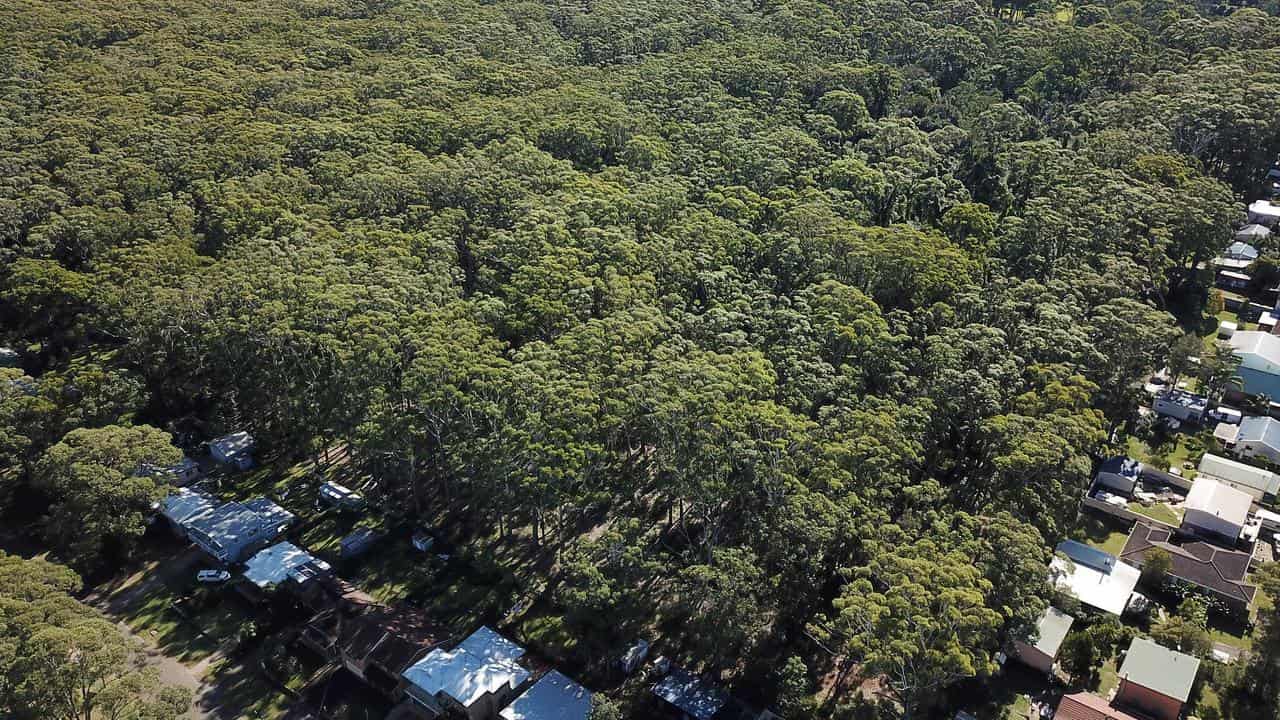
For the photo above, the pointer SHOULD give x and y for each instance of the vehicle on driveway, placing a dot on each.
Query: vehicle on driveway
(213, 576)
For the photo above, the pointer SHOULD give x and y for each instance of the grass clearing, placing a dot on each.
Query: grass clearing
(1158, 511)
(1108, 535)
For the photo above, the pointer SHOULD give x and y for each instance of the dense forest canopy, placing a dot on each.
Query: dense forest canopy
(813, 312)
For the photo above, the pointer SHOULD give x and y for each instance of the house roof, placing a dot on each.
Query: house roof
(1222, 501)
(1158, 668)
(1189, 400)
(1087, 706)
(1213, 568)
(1252, 231)
(1239, 473)
(554, 697)
(233, 444)
(1120, 465)
(273, 565)
(1093, 577)
(184, 505)
(1263, 430)
(482, 664)
(1054, 625)
(1255, 342)
(234, 523)
(690, 695)
(1242, 250)
(1264, 208)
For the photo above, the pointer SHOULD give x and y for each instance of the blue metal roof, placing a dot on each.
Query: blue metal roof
(690, 695)
(1092, 557)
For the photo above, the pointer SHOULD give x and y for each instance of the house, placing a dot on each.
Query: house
(182, 473)
(1262, 212)
(554, 697)
(1217, 571)
(1215, 511)
(373, 642)
(1156, 680)
(1043, 652)
(1250, 235)
(1120, 474)
(182, 506)
(1087, 706)
(1259, 354)
(283, 562)
(229, 533)
(1093, 577)
(1226, 433)
(1226, 329)
(1261, 485)
(340, 496)
(1259, 437)
(1238, 256)
(358, 542)
(234, 450)
(634, 655)
(1180, 404)
(690, 697)
(474, 679)
(1232, 280)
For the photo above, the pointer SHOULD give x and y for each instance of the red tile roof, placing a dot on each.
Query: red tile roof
(1194, 561)
(1087, 706)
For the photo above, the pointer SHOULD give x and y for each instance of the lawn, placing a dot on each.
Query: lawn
(1107, 535)
(1172, 453)
(1158, 511)
(1108, 678)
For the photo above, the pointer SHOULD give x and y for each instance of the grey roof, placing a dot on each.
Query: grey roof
(1054, 625)
(1186, 399)
(1252, 231)
(690, 695)
(1239, 473)
(1260, 429)
(274, 565)
(1157, 668)
(482, 664)
(1090, 557)
(184, 505)
(1122, 466)
(554, 697)
(1243, 250)
(231, 445)
(229, 529)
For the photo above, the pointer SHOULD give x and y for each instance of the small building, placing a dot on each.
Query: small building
(1120, 474)
(9, 357)
(233, 531)
(234, 450)
(1216, 511)
(1093, 577)
(1225, 414)
(1239, 255)
(692, 698)
(1262, 212)
(283, 562)
(1183, 405)
(1259, 354)
(181, 474)
(1087, 706)
(1259, 437)
(340, 496)
(1261, 485)
(1226, 329)
(554, 697)
(474, 679)
(634, 655)
(1156, 680)
(1252, 235)
(1232, 280)
(359, 542)
(1216, 570)
(1226, 433)
(1043, 652)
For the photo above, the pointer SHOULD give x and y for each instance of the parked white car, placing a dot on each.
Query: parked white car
(213, 576)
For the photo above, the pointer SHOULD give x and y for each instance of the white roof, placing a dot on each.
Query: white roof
(1108, 591)
(1254, 342)
(1264, 208)
(185, 504)
(1239, 473)
(554, 697)
(232, 444)
(1210, 496)
(272, 566)
(484, 663)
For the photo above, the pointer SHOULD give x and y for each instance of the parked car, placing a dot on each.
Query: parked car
(423, 540)
(213, 576)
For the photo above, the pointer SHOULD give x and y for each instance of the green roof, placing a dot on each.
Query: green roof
(1157, 668)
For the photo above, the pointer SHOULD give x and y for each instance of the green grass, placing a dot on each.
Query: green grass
(1108, 677)
(1108, 536)
(1018, 709)
(1158, 511)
